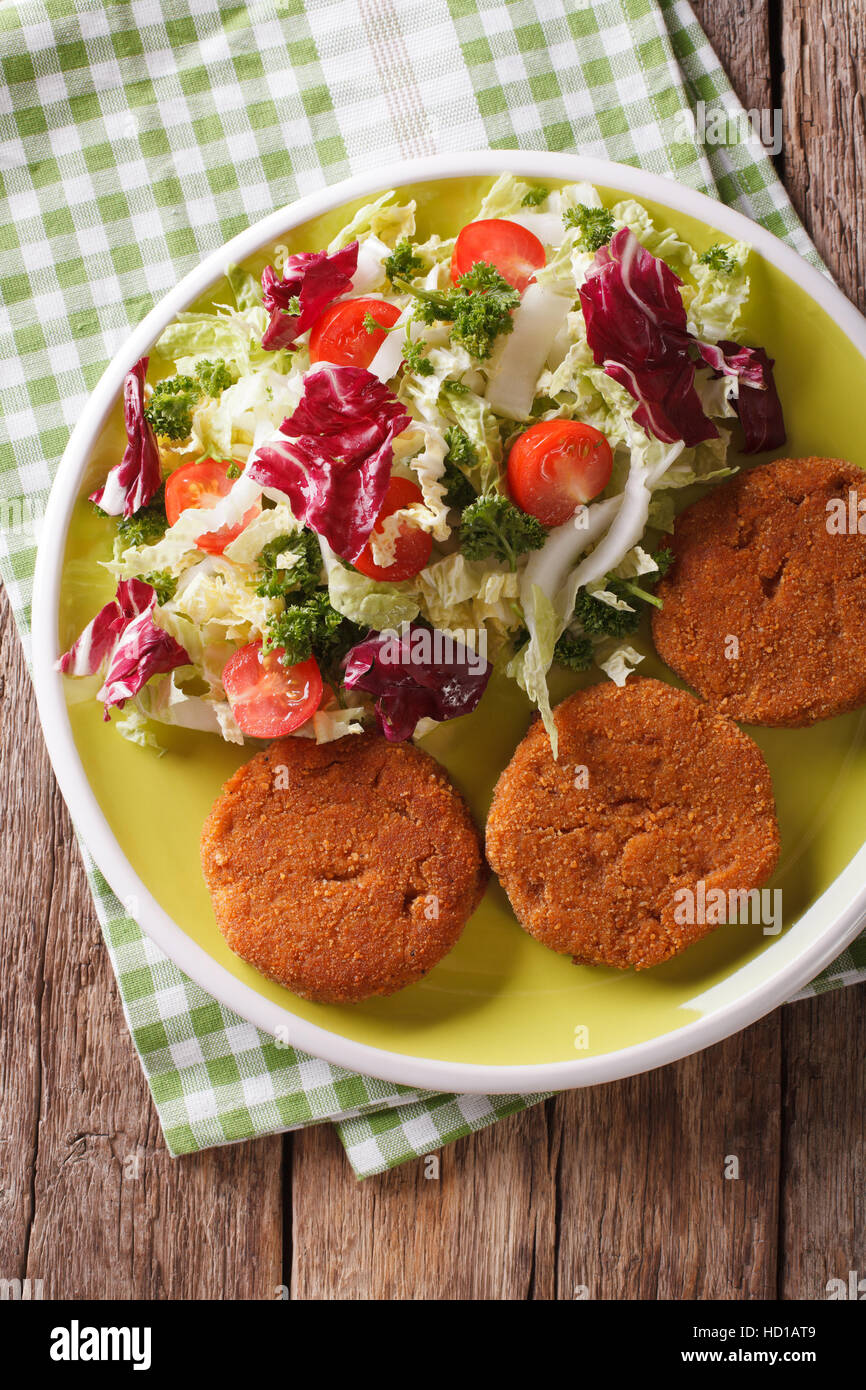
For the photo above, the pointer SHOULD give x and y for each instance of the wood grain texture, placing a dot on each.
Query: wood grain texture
(824, 151)
(823, 1219)
(26, 871)
(648, 1201)
(91, 1202)
(485, 1228)
(613, 1192)
(740, 33)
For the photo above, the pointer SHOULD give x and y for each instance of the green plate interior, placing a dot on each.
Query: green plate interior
(500, 997)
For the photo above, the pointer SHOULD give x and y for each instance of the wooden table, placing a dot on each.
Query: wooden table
(620, 1189)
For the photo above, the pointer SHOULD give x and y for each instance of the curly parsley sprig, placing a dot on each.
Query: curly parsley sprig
(574, 651)
(491, 526)
(302, 575)
(600, 619)
(313, 628)
(479, 307)
(174, 399)
(147, 526)
(595, 225)
(414, 353)
(718, 258)
(403, 264)
(460, 460)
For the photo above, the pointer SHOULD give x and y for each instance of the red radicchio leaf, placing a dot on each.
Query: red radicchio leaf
(124, 635)
(314, 278)
(90, 650)
(415, 674)
(335, 462)
(134, 480)
(632, 306)
(669, 407)
(757, 403)
(636, 327)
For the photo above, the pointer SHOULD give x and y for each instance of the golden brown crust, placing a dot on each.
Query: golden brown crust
(674, 794)
(342, 870)
(756, 566)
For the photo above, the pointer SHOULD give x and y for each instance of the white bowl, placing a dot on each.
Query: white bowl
(812, 943)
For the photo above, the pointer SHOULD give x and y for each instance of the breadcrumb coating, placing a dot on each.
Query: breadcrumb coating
(653, 792)
(342, 870)
(765, 606)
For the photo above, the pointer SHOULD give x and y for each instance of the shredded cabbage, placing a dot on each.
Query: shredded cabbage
(368, 602)
(532, 663)
(543, 369)
(270, 523)
(383, 218)
(332, 721)
(468, 595)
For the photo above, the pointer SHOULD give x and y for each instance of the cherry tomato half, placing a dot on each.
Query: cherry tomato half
(267, 698)
(339, 336)
(513, 250)
(555, 466)
(412, 547)
(203, 485)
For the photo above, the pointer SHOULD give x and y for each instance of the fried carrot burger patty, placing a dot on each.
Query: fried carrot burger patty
(342, 870)
(653, 793)
(765, 605)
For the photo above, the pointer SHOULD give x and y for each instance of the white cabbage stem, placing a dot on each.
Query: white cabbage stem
(520, 356)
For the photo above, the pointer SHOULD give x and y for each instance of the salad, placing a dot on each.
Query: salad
(388, 466)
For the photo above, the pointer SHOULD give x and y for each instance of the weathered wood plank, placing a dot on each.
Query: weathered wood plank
(740, 33)
(824, 51)
(97, 1207)
(485, 1228)
(619, 1191)
(823, 1233)
(26, 871)
(645, 1207)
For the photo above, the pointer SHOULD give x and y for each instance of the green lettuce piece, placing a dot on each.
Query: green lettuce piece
(470, 594)
(706, 463)
(331, 721)
(434, 250)
(267, 526)
(206, 646)
(662, 511)
(716, 307)
(135, 728)
(368, 602)
(385, 219)
(171, 555)
(505, 197)
(478, 422)
(164, 700)
(660, 241)
(250, 410)
(246, 289)
(208, 335)
(531, 664)
(235, 335)
(618, 660)
(215, 591)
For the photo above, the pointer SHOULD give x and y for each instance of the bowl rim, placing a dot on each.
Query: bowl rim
(723, 1019)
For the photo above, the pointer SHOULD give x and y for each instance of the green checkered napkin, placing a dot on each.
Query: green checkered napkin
(136, 137)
